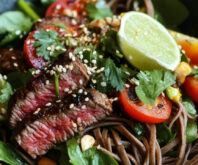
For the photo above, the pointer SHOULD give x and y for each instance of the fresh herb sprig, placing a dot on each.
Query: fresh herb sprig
(48, 44)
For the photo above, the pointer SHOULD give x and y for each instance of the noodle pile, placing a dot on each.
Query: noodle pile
(116, 136)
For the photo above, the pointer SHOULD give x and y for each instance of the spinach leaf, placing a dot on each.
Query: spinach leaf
(19, 79)
(191, 131)
(98, 11)
(91, 156)
(164, 134)
(9, 156)
(152, 84)
(13, 25)
(171, 13)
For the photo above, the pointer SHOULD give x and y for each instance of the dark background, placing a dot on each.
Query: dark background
(190, 26)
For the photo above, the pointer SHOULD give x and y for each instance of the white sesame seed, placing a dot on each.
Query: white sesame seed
(48, 104)
(80, 81)
(74, 95)
(127, 85)
(47, 82)
(71, 105)
(15, 64)
(28, 42)
(58, 101)
(85, 61)
(103, 84)
(93, 81)
(87, 99)
(73, 58)
(74, 125)
(83, 106)
(64, 70)
(79, 120)
(70, 55)
(66, 90)
(85, 93)
(80, 91)
(58, 6)
(93, 61)
(100, 56)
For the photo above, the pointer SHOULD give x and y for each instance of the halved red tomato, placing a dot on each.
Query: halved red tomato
(30, 51)
(133, 107)
(67, 7)
(191, 88)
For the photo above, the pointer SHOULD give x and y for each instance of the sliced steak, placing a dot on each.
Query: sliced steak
(59, 122)
(12, 60)
(67, 21)
(41, 90)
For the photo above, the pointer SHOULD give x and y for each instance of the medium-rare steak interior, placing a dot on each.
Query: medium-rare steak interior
(41, 90)
(42, 129)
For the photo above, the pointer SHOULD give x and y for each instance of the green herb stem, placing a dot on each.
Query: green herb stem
(28, 10)
(56, 77)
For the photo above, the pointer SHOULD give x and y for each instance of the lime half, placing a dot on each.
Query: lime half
(146, 43)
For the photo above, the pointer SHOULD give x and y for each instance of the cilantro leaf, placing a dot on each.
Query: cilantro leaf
(110, 45)
(98, 11)
(5, 91)
(190, 107)
(152, 84)
(48, 39)
(114, 75)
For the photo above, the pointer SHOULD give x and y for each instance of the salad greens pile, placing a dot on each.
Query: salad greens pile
(112, 74)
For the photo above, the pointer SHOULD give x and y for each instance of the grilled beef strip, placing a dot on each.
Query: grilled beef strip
(67, 21)
(48, 126)
(41, 90)
(12, 61)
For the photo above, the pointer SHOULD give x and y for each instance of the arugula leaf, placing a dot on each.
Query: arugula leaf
(164, 134)
(188, 104)
(98, 11)
(152, 84)
(191, 131)
(9, 156)
(19, 79)
(13, 25)
(91, 156)
(46, 39)
(60, 25)
(176, 14)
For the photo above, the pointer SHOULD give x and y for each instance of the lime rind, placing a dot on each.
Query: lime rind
(147, 44)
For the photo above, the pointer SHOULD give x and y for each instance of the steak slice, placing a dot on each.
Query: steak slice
(12, 60)
(59, 122)
(41, 90)
(67, 21)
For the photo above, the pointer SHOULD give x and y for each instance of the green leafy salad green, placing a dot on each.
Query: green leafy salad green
(111, 72)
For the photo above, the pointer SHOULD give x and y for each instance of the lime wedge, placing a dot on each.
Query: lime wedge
(146, 43)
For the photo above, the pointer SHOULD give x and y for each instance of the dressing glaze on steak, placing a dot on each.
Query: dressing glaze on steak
(55, 124)
(12, 61)
(41, 90)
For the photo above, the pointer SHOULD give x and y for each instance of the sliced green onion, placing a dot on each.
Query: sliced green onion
(56, 77)
(28, 10)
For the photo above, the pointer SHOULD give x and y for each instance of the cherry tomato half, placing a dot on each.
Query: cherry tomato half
(72, 8)
(30, 51)
(191, 87)
(191, 50)
(143, 112)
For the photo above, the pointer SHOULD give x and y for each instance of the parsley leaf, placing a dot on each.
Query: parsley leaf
(98, 11)
(48, 39)
(5, 91)
(152, 84)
